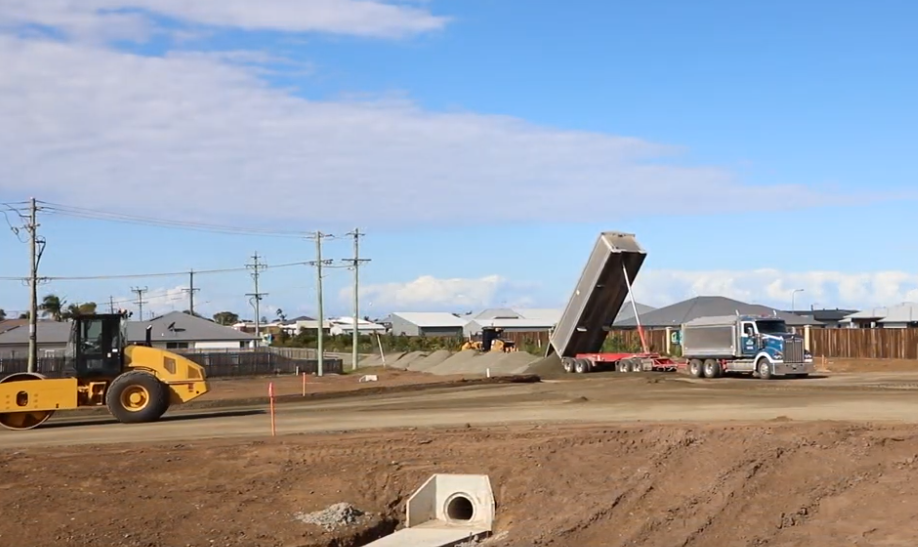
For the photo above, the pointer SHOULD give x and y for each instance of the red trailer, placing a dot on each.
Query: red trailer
(620, 362)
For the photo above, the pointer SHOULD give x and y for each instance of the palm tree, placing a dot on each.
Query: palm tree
(52, 306)
(86, 308)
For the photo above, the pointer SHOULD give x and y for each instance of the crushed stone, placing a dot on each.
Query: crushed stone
(332, 517)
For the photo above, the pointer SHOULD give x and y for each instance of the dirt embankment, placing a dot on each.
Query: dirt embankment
(773, 483)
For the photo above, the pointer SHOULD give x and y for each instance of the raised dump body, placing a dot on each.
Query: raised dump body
(598, 296)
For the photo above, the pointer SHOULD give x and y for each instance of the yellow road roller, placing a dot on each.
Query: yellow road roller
(137, 382)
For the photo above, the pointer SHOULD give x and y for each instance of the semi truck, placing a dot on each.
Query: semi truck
(599, 295)
(757, 345)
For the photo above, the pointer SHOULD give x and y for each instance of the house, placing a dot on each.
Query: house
(426, 324)
(178, 330)
(828, 318)
(51, 338)
(345, 325)
(904, 315)
(676, 314)
(518, 320)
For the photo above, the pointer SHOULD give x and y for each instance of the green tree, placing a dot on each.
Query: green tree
(2, 314)
(281, 315)
(72, 310)
(226, 318)
(52, 306)
(195, 314)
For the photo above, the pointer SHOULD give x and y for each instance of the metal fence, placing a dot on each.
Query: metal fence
(217, 364)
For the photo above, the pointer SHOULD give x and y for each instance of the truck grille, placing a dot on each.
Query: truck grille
(793, 351)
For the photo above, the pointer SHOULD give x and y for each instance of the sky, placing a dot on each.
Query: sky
(755, 149)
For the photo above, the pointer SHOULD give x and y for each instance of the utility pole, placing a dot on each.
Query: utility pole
(191, 290)
(33, 286)
(256, 268)
(140, 302)
(318, 263)
(355, 263)
(111, 304)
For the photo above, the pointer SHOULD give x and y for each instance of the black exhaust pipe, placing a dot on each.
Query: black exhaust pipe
(148, 340)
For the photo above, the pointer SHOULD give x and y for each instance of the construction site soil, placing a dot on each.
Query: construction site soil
(651, 459)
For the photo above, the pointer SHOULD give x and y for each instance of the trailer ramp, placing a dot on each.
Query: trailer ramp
(448, 510)
(599, 295)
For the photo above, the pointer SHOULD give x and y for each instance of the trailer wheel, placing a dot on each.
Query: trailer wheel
(568, 364)
(623, 366)
(763, 367)
(637, 365)
(712, 369)
(581, 366)
(695, 368)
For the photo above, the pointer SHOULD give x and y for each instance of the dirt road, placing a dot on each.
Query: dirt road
(599, 398)
(737, 462)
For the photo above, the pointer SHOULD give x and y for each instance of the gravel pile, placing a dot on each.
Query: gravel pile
(434, 359)
(474, 363)
(407, 360)
(332, 517)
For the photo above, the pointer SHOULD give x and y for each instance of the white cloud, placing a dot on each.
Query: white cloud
(94, 127)
(768, 286)
(654, 287)
(127, 19)
(428, 293)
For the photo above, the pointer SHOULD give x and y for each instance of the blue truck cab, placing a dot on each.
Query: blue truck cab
(760, 345)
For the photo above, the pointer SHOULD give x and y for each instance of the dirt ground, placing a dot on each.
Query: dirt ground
(868, 365)
(651, 460)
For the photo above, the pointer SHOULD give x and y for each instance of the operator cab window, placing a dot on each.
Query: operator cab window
(748, 330)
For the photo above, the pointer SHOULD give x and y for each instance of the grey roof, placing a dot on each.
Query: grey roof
(186, 328)
(498, 313)
(48, 332)
(707, 306)
(903, 313)
(431, 319)
(628, 311)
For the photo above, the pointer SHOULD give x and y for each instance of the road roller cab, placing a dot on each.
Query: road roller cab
(137, 382)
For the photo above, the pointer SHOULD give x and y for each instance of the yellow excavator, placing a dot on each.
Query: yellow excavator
(137, 382)
(490, 341)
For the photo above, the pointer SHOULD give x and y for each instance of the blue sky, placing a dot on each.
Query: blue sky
(753, 149)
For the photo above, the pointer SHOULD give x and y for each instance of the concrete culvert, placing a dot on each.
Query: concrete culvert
(460, 508)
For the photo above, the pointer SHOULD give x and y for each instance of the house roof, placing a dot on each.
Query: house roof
(498, 313)
(628, 311)
(185, 328)
(8, 324)
(824, 315)
(707, 306)
(431, 319)
(48, 332)
(541, 314)
(907, 312)
(520, 323)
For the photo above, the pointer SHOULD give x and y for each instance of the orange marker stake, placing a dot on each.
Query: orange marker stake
(271, 403)
(304, 384)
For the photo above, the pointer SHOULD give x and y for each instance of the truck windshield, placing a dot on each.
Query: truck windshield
(771, 327)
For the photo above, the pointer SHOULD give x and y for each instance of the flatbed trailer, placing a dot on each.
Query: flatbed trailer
(598, 297)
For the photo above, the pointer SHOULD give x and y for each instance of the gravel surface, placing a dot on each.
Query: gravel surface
(333, 517)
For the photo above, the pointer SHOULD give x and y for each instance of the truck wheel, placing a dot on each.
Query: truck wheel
(581, 366)
(695, 368)
(712, 369)
(637, 365)
(568, 364)
(137, 397)
(623, 366)
(763, 367)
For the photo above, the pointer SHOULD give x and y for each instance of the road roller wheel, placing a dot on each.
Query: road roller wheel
(137, 397)
(27, 419)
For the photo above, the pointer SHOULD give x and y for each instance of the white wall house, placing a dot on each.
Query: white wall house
(345, 325)
(901, 316)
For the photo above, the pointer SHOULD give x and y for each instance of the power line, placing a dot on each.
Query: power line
(256, 268)
(145, 275)
(140, 302)
(191, 290)
(318, 263)
(93, 214)
(355, 263)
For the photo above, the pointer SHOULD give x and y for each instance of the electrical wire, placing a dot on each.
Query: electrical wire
(144, 275)
(93, 214)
